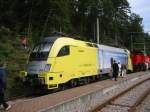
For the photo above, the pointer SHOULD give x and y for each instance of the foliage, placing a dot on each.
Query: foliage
(15, 57)
(37, 19)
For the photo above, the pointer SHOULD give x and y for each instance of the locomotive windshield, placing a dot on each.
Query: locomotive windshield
(40, 52)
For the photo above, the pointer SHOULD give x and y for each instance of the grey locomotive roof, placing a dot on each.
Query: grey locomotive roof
(50, 39)
(54, 36)
(112, 49)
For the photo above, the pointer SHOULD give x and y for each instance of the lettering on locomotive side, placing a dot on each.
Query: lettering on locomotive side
(80, 50)
(86, 65)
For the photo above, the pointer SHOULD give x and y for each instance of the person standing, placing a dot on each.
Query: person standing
(120, 71)
(124, 70)
(3, 86)
(111, 71)
(115, 70)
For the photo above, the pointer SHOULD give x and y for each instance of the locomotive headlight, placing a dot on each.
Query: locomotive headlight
(47, 67)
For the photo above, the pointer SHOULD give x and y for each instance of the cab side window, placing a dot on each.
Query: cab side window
(64, 51)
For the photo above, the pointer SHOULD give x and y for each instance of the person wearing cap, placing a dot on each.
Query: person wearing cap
(3, 86)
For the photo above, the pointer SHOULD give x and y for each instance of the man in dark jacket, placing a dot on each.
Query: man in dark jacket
(115, 70)
(3, 86)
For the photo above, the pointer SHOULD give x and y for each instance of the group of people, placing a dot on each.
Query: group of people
(117, 70)
(3, 86)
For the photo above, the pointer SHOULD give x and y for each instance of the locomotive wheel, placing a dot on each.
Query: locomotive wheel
(73, 83)
(62, 87)
(88, 79)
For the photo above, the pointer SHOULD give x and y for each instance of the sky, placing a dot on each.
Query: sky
(142, 7)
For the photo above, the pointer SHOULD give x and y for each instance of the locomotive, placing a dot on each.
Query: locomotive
(60, 61)
(140, 61)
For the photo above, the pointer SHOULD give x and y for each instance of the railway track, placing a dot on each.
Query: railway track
(144, 106)
(128, 100)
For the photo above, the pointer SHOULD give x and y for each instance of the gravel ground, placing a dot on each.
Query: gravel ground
(145, 105)
(123, 103)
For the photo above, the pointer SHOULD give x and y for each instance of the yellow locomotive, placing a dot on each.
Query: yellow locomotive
(58, 61)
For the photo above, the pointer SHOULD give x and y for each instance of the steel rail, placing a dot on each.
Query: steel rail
(132, 108)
